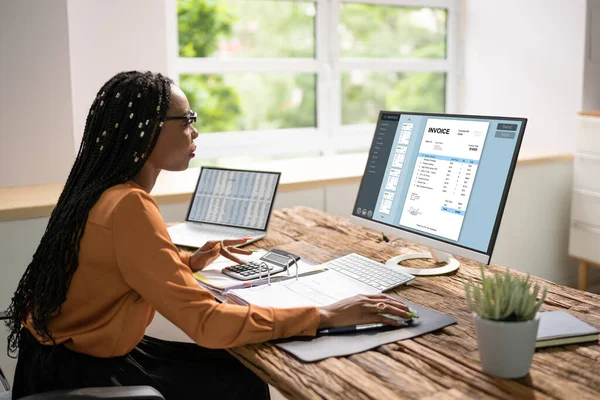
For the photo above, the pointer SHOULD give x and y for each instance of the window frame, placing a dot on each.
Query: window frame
(329, 136)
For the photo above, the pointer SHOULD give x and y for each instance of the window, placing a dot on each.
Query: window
(284, 77)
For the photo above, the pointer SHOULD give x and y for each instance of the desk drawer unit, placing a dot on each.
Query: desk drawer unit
(584, 242)
(585, 207)
(588, 137)
(587, 172)
(584, 238)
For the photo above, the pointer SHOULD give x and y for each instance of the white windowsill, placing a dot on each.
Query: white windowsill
(20, 202)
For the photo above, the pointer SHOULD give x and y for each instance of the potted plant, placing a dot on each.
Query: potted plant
(505, 309)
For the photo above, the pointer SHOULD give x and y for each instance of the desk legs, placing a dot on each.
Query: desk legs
(584, 267)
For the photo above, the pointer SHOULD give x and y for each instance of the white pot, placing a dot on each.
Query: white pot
(506, 348)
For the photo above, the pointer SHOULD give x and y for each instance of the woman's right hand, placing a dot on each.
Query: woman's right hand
(362, 309)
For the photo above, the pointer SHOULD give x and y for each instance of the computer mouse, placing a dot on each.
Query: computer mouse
(397, 318)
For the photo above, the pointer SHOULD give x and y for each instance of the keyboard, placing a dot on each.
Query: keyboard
(371, 272)
(251, 270)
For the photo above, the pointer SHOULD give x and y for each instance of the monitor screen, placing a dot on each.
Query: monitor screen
(234, 197)
(439, 176)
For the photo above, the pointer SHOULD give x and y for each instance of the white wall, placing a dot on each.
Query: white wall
(525, 59)
(55, 57)
(110, 36)
(36, 128)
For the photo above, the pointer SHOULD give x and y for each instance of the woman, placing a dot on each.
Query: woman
(106, 263)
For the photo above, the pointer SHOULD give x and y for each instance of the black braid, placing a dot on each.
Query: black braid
(113, 150)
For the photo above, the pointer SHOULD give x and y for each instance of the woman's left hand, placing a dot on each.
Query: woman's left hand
(212, 249)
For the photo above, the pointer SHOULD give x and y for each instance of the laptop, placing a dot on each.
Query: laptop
(228, 204)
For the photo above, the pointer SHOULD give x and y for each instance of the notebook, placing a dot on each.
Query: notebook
(559, 328)
(227, 204)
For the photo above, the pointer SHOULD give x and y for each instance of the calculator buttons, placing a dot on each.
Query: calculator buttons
(250, 270)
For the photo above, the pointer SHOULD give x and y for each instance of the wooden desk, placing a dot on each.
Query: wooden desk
(440, 365)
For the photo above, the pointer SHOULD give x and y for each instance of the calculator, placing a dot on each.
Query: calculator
(275, 260)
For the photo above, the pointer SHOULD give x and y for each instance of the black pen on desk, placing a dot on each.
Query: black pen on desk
(350, 329)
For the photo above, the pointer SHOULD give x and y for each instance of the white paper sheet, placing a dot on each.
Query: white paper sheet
(213, 277)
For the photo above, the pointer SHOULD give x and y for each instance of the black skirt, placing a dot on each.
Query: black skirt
(177, 370)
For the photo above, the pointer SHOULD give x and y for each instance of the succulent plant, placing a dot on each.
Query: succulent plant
(504, 297)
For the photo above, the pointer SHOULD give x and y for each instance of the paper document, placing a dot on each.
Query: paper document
(313, 290)
(213, 279)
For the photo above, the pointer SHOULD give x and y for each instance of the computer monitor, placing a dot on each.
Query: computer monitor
(440, 180)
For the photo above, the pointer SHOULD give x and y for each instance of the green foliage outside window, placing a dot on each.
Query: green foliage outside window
(364, 94)
(285, 29)
(369, 30)
(201, 24)
(251, 101)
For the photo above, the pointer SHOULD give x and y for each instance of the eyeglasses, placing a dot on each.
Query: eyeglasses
(191, 117)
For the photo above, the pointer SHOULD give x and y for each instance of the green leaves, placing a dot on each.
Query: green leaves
(504, 297)
(201, 25)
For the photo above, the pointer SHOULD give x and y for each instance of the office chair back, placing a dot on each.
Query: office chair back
(108, 393)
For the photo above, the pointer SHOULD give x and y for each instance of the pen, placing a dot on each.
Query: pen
(349, 329)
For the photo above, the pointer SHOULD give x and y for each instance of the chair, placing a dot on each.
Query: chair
(108, 393)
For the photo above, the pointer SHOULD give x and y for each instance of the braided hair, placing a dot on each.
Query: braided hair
(121, 131)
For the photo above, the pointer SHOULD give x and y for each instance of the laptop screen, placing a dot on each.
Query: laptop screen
(234, 197)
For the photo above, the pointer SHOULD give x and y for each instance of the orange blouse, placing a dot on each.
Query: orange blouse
(128, 268)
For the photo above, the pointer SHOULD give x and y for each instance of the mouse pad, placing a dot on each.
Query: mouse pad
(320, 347)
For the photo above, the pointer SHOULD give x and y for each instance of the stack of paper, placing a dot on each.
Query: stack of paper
(217, 283)
(558, 328)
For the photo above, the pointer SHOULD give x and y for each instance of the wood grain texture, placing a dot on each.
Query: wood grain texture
(440, 365)
(589, 113)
